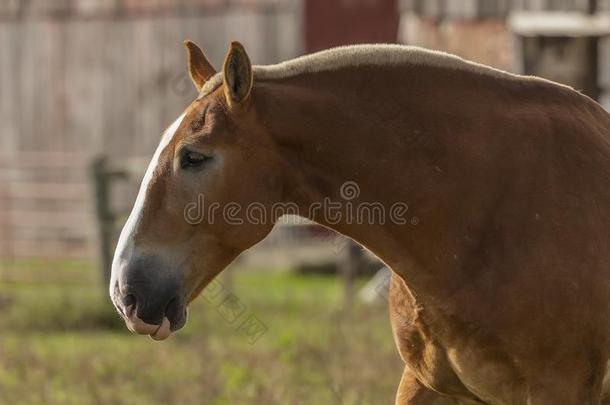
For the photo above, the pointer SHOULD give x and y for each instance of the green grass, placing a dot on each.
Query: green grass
(63, 344)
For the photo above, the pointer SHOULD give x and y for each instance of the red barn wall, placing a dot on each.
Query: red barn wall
(331, 23)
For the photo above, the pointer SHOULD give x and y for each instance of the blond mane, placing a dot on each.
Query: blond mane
(363, 55)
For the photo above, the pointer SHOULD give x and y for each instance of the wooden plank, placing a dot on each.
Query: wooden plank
(121, 84)
(25, 76)
(9, 8)
(8, 105)
(43, 219)
(51, 190)
(83, 91)
(64, 235)
(604, 63)
(44, 159)
(462, 9)
(46, 239)
(30, 205)
(50, 250)
(559, 24)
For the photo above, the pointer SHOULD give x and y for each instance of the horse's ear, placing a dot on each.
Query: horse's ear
(237, 75)
(200, 69)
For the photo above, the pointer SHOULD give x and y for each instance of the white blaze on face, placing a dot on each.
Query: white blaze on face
(125, 246)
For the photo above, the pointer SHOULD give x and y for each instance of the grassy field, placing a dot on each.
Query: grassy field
(61, 343)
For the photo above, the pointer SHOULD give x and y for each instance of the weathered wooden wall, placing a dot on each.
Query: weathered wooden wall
(454, 26)
(111, 86)
(492, 8)
(76, 85)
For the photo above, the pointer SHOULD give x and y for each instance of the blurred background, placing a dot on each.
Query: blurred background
(86, 89)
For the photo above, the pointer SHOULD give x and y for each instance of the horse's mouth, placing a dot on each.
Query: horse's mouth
(163, 331)
(156, 331)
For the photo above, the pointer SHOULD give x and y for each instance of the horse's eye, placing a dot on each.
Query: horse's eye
(192, 159)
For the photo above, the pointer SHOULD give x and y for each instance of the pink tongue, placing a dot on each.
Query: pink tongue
(163, 332)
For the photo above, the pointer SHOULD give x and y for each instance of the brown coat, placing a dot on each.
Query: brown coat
(501, 286)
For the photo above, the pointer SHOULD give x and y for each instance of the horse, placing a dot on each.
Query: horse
(500, 251)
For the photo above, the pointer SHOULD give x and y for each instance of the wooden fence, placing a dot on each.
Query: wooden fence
(77, 86)
(44, 205)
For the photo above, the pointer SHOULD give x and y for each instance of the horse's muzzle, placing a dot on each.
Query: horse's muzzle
(149, 300)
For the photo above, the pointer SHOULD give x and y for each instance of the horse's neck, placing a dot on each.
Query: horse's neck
(390, 148)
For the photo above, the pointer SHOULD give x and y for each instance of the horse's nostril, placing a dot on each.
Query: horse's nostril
(173, 310)
(129, 300)
(170, 307)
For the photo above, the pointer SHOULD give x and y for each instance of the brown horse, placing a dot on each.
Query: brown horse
(501, 284)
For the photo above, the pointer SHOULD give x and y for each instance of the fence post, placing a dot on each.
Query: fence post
(349, 266)
(105, 218)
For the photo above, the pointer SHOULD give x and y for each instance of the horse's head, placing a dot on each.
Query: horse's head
(211, 162)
